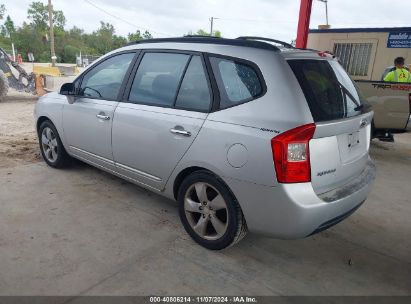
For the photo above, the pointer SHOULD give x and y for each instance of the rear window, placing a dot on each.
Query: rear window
(329, 91)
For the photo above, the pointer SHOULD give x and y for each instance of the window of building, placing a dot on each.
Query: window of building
(354, 57)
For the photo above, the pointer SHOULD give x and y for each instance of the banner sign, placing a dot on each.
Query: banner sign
(399, 40)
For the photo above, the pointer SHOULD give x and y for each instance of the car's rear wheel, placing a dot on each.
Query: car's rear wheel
(51, 147)
(209, 211)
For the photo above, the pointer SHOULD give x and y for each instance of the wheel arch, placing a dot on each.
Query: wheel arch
(183, 174)
(191, 169)
(40, 120)
(43, 118)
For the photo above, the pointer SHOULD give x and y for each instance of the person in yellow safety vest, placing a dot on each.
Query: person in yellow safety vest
(398, 73)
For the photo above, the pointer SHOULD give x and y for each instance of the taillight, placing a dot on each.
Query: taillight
(291, 154)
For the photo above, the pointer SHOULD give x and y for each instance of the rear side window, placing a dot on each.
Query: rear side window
(194, 93)
(237, 82)
(157, 78)
(329, 91)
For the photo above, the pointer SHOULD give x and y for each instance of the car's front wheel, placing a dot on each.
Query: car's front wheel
(51, 147)
(209, 211)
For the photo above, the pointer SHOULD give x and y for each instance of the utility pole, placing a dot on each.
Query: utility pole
(211, 25)
(326, 10)
(14, 52)
(303, 23)
(53, 53)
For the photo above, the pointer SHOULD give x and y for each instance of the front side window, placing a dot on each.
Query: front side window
(158, 78)
(104, 80)
(237, 82)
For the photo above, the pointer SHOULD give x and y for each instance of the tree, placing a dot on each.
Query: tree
(69, 53)
(9, 27)
(39, 16)
(28, 39)
(202, 32)
(104, 37)
(147, 35)
(2, 11)
(104, 40)
(132, 37)
(31, 36)
(76, 32)
(3, 30)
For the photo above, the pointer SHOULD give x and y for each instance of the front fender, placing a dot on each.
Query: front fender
(51, 106)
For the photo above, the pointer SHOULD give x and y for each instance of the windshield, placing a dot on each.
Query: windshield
(330, 92)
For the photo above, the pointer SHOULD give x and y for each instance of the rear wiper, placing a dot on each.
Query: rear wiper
(359, 106)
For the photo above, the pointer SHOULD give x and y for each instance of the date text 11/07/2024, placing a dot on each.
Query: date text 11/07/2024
(203, 299)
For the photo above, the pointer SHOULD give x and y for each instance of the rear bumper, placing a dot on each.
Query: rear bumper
(292, 211)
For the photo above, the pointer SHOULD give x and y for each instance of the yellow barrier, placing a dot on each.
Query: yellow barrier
(45, 70)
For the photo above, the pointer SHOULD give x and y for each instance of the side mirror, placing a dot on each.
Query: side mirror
(67, 89)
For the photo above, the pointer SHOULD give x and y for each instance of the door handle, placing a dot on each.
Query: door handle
(103, 117)
(180, 132)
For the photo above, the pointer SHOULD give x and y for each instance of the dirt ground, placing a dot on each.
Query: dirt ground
(18, 140)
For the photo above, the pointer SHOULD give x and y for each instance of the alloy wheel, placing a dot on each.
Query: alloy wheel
(206, 211)
(49, 144)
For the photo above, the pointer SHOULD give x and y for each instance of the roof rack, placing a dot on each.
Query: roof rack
(254, 38)
(200, 36)
(212, 40)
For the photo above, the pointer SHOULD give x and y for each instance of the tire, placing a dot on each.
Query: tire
(51, 147)
(205, 202)
(4, 85)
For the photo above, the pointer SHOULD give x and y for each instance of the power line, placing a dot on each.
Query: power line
(124, 20)
(258, 20)
(276, 21)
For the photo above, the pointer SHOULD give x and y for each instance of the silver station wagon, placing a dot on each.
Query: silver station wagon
(246, 134)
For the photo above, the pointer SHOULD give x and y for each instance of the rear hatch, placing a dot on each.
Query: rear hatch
(339, 148)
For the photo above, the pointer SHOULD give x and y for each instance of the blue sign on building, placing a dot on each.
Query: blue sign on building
(399, 40)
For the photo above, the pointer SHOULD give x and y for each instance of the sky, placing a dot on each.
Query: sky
(269, 18)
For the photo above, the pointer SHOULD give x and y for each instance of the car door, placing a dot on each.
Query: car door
(87, 122)
(162, 112)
